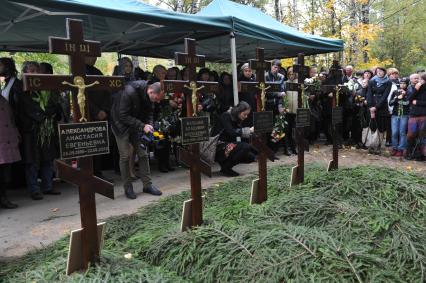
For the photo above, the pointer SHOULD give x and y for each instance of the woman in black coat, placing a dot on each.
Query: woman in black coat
(249, 97)
(379, 88)
(230, 152)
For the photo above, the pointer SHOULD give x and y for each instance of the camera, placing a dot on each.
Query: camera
(208, 104)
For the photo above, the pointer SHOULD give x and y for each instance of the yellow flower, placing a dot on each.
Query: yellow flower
(156, 134)
(161, 136)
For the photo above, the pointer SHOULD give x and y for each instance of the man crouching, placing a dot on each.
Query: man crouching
(132, 117)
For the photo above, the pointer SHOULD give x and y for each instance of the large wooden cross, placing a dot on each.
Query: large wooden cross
(77, 49)
(261, 88)
(302, 118)
(190, 88)
(335, 88)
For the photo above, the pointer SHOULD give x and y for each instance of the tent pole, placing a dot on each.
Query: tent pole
(234, 68)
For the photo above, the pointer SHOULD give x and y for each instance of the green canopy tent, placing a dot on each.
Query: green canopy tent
(134, 28)
(120, 25)
(252, 28)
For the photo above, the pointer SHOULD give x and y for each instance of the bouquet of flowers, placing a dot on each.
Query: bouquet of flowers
(312, 87)
(46, 127)
(158, 135)
(351, 85)
(359, 99)
(278, 132)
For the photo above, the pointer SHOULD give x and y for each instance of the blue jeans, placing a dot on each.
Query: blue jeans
(399, 132)
(46, 173)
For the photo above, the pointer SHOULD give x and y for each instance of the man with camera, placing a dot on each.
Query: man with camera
(132, 117)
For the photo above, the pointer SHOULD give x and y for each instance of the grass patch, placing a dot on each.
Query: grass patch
(365, 224)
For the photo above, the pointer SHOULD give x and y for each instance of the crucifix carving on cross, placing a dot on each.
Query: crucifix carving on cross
(190, 88)
(77, 49)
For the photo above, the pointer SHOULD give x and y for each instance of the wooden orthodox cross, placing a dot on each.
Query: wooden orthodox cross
(191, 157)
(302, 119)
(259, 187)
(335, 88)
(77, 49)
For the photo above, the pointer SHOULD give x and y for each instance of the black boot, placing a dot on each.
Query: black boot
(152, 190)
(286, 151)
(228, 172)
(5, 203)
(128, 191)
(162, 168)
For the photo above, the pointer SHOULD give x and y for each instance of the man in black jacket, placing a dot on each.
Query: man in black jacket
(131, 119)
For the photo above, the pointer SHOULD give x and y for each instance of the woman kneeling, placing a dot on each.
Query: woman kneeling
(231, 152)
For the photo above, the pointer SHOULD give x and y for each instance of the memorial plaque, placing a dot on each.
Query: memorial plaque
(263, 122)
(83, 139)
(337, 116)
(195, 130)
(303, 117)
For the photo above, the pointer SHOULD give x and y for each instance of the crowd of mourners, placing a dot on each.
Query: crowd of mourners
(144, 119)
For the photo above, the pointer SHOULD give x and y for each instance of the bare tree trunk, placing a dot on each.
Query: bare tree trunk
(365, 18)
(277, 10)
(312, 15)
(352, 17)
(294, 13)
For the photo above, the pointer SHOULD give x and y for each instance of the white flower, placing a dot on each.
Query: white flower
(128, 256)
(309, 81)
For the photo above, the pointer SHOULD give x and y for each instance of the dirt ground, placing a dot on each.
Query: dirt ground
(36, 224)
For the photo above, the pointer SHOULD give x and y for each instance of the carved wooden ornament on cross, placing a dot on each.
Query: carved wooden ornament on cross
(191, 157)
(77, 49)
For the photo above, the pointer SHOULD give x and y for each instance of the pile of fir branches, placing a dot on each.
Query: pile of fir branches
(365, 224)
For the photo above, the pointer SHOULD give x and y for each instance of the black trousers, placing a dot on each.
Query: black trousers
(348, 117)
(162, 153)
(326, 127)
(357, 125)
(5, 178)
(289, 132)
(242, 153)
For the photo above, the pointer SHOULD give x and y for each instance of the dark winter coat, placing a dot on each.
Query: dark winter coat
(132, 109)
(229, 128)
(273, 100)
(30, 117)
(378, 97)
(420, 96)
(400, 106)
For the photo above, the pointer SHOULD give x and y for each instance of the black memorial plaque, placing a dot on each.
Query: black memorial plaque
(83, 139)
(195, 130)
(303, 117)
(263, 122)
(337, 116)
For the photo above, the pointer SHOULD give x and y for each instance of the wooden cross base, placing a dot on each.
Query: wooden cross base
(193, 208)
(298, 171)
(259, 193)
(186, 222)
(88, 186)
(75, 255)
